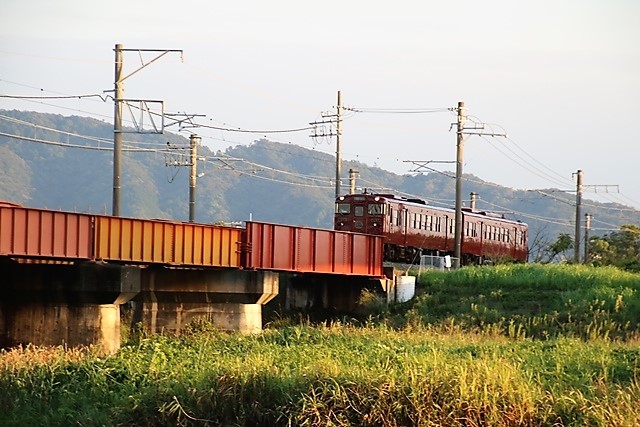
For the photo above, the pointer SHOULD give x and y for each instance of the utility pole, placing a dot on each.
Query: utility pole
(352, 181)
(117, 130)
(587, 228)
(461, 130)
(194, 140)
(579, 190)
(459, 156)
(576, 245)
(338, 145)
(332, 119)
(178, 160)
(119, 101)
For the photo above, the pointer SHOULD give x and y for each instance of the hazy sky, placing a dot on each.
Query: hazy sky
(559, 77)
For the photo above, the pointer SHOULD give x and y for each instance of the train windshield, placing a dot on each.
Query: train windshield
(376, 209)
(343, 208)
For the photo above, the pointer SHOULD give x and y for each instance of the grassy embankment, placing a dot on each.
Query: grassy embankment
(515, 345)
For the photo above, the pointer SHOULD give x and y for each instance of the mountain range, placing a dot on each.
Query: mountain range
(66, 162)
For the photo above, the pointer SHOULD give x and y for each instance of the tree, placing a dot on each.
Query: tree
(560, 246)
(619, 248)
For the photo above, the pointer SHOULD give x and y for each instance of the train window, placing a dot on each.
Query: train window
(415, 219)
(359, 210)
(438, 224)
(419, 220)
(375, 209)
(398, 218)
(467, 229)
(392, 214)
(429, 223)
(343, 208)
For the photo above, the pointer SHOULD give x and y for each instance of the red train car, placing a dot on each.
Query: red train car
(410, 227)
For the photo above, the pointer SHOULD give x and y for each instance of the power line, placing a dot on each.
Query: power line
(253, 131)
(532, 168)
(397, 110)
(88, 137)
(104, 98)
(132, 149)
(69, 145)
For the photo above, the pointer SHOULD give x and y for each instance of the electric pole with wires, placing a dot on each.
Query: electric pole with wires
(335, 122)
(461, 130)
(180, 160)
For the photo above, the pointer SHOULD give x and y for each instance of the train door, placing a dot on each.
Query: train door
(450, 229)
(404, 223)
(359, 219)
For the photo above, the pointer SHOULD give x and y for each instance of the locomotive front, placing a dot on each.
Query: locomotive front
(361, 213)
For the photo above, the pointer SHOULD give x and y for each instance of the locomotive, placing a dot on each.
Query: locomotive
(411, 227)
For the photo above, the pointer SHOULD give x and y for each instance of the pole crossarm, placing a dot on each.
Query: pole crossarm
(144, 65)
(180, 119)
(422, 164)
(485, 134)
(605, 186)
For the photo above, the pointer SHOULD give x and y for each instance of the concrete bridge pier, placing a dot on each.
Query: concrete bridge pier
(64, 304)
(231, 299)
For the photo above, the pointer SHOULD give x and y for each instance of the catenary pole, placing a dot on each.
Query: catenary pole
(338, 144)
(576, 257)
(193, 165)
(459, 157)
(117, 129)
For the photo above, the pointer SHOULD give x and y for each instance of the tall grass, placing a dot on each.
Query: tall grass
(327, 375)
(468, 351)
(531, 301)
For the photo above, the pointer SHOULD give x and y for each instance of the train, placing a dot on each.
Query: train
(411, 227)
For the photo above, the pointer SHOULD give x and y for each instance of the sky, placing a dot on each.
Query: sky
(559, 78)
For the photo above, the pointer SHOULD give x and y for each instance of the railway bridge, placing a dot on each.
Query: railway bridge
(64, 276)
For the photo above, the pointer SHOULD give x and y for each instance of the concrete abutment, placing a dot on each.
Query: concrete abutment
(79, 304)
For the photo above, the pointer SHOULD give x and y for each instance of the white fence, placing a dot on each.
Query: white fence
(434, 262)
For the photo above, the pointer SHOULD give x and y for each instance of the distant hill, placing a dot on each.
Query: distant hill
(266, 180)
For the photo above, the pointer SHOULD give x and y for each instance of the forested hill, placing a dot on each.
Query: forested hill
(44, 163)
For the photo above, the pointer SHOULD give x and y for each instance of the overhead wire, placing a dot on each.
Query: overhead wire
(397, 110)
(104, 98)
(256, 166)
(87, 137)
(524, 163)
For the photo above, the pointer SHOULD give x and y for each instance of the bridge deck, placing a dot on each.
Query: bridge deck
(46, 235)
